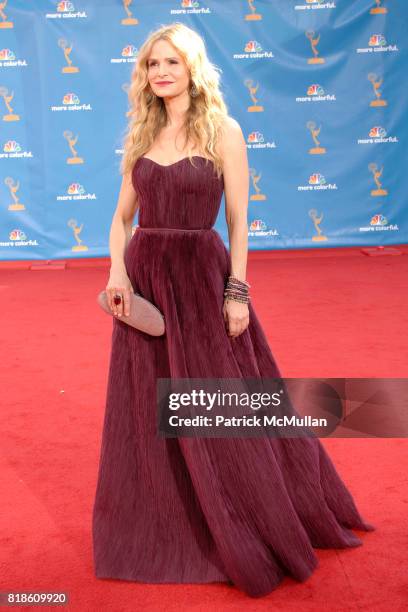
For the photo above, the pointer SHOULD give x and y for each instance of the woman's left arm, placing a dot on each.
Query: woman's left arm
(236, 187)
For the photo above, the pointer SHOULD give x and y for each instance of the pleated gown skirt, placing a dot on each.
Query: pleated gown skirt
(197, 510)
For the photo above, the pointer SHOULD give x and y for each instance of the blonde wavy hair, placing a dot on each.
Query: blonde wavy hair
(147, 115)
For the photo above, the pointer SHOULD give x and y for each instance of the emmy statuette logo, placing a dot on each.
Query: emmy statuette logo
(4, 23)
(129, 20)
(373, 168)
(10, 116)
(258, 196)
(376, 83)
(73, 224)
(253, 15)
(70, 69)
(255, 108)
(71, 143)
(317, 221)
(378, 9)
(316, 150)
(14, 187)
(314, 42)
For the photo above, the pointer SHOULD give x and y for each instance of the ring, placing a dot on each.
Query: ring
(117, 299)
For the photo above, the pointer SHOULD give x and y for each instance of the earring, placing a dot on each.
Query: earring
(194, 91)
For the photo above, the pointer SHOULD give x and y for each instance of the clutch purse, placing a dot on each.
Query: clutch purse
(143, 314)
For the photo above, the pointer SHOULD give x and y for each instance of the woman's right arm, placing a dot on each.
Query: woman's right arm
(122, 222)
(119, 237)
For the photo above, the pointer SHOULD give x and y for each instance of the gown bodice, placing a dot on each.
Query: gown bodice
(178, 195)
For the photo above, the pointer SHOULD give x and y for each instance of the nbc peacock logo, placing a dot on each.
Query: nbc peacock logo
(315, 90)
(252, 49)
(17, 234)
(377, 43)
(317, 182)
(65, 7)
(66, 10)
(7, 55)
(71, 102)
(11, 146)
(379, 223)
(378, 220)
(317, 179)
(8, 59)
(377, 40)
(377, 135)
(12, 149)
(256, 140)
(316, 93)
(70, 99)
(253, 46)
(128, 55)
(18, 238)
(76, 191)
(258, 227)
(377, 132)
(190, 7)
(130, 51)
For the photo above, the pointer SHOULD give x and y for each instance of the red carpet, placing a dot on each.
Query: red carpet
(327, 313)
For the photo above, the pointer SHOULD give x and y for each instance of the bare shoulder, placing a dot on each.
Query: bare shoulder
(231, 133)
(231, 124)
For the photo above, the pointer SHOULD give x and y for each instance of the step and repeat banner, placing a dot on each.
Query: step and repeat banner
(319, 89)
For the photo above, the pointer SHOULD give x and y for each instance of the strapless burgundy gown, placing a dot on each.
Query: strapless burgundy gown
(199, 510)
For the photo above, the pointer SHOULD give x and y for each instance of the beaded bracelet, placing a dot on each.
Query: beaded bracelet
(237, 290)
(233, 279)
(237, 299)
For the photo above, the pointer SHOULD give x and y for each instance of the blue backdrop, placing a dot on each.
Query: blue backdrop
(318, 88)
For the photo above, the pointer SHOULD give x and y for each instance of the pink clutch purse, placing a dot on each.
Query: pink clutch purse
(143, 314)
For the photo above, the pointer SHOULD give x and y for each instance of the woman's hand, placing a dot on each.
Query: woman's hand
(120, 284)
(236, 316)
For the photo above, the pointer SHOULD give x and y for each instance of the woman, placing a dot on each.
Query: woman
(243, 511)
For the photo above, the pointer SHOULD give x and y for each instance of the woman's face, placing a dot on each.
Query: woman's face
(167, 72)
